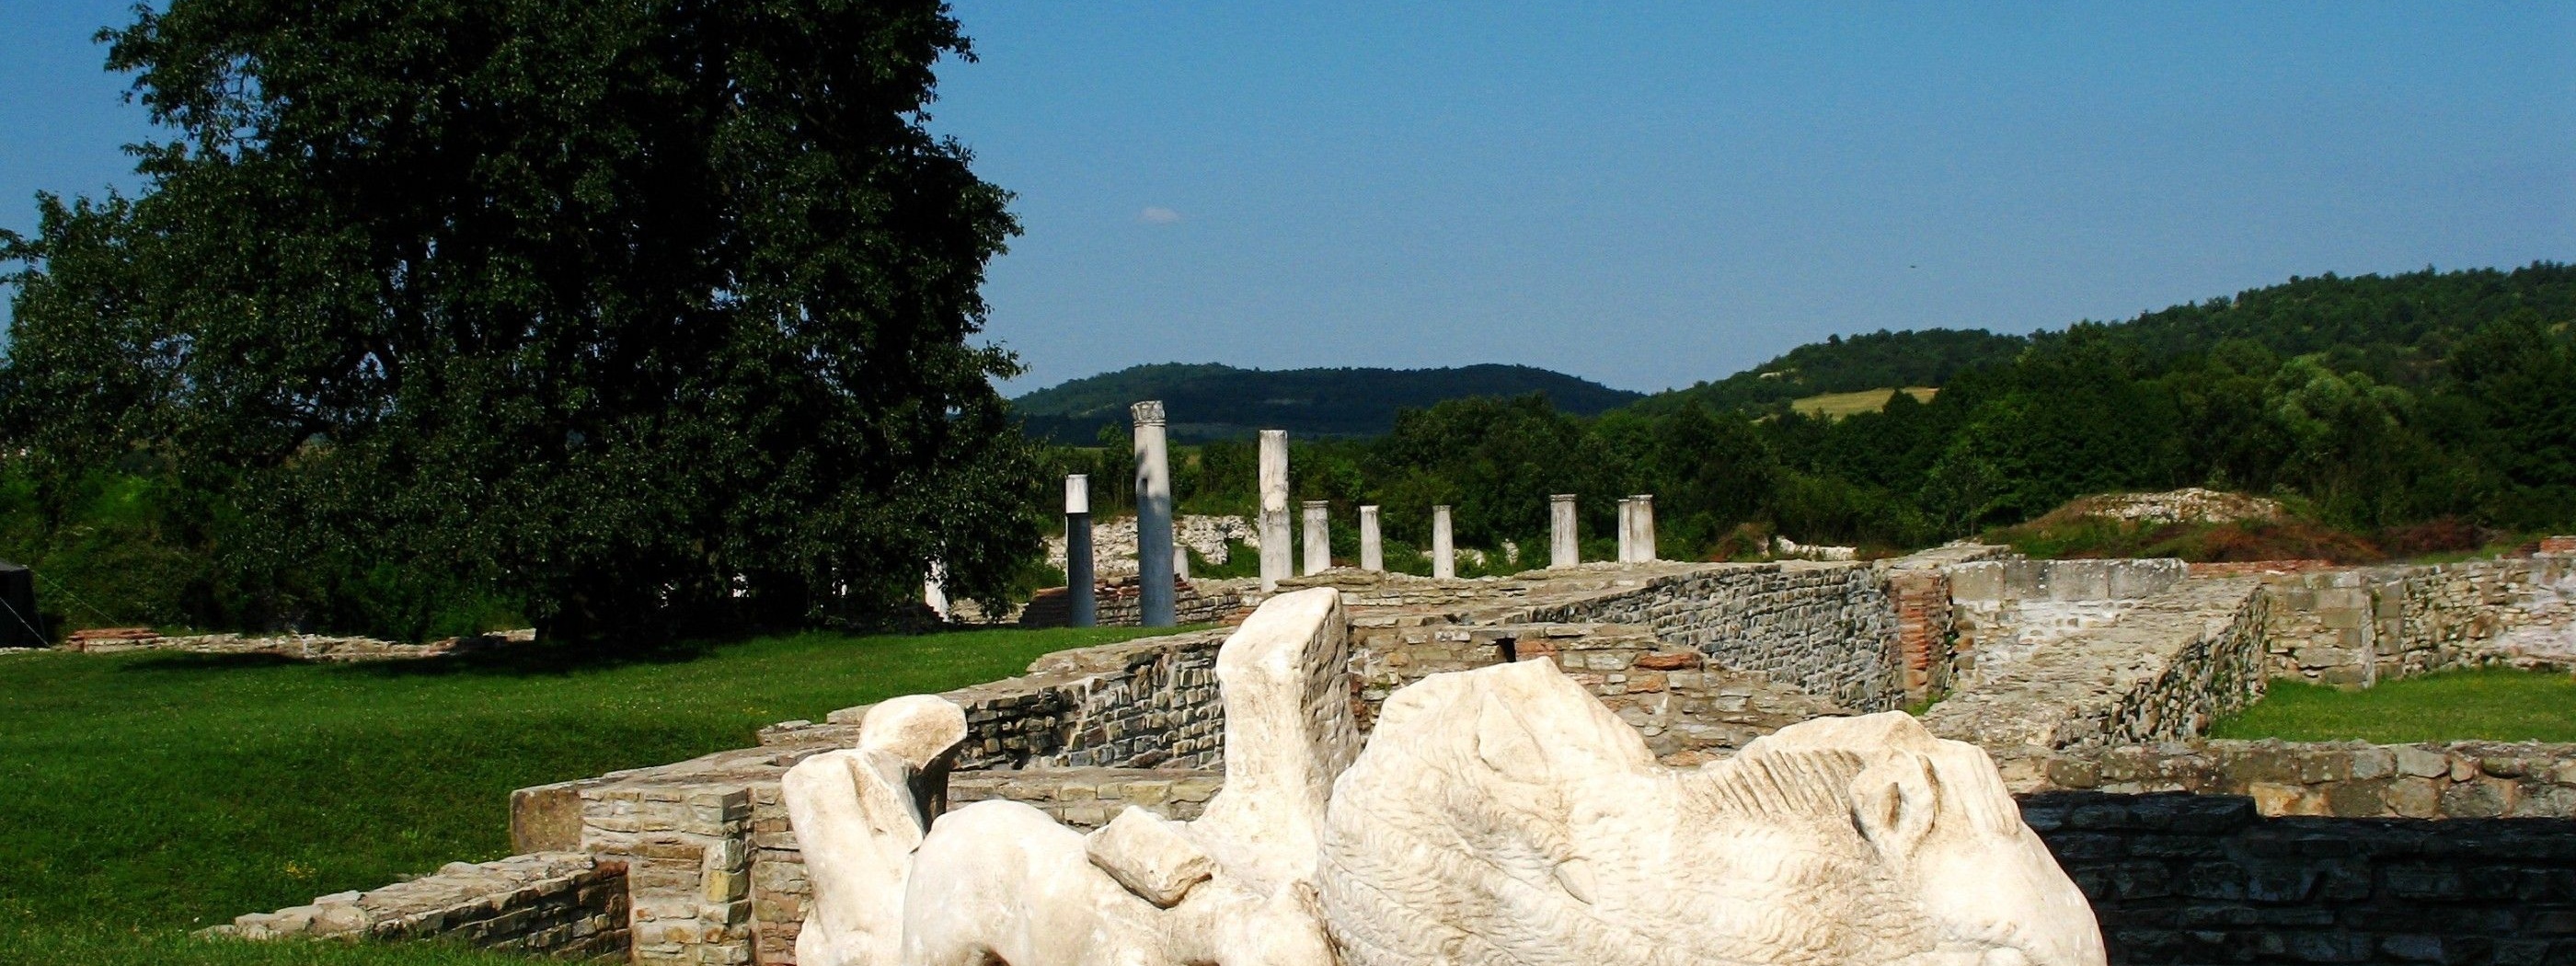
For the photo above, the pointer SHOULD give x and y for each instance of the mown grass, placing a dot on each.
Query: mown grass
(1836, 405)
(150, 794)
(2488, 703)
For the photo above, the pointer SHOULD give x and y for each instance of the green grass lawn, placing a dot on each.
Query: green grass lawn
(144, 795)
(2490, 703)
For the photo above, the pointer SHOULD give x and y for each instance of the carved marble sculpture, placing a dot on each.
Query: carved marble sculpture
(1503, 816)
(1497, 816)
(858, 816)
(999, 881)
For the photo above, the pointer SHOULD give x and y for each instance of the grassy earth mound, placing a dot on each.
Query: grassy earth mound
(2207, 526)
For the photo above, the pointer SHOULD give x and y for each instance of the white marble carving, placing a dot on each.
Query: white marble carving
(1500, 816)
(1001, 882)
(1503, 816)
(859, 814)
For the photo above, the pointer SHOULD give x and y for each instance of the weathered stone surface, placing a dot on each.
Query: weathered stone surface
(1502, 816)
(565, 904)
(2464, 779)
(2173, 663)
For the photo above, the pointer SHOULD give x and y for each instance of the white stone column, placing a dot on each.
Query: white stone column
(1562, 550)
(1082, 604)
(1642, 517)
(1319, 536)
(1627, 529)
(1153, 516)
(934, 589)
(1276, 558)
(1372, 548)
(1444, 552)
(1180, 562)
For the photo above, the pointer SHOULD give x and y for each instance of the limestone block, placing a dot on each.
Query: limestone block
(1150, 855)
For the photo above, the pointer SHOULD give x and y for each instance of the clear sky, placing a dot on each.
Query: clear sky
(1650, 195)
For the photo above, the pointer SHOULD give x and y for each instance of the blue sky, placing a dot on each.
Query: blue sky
(1651, 194)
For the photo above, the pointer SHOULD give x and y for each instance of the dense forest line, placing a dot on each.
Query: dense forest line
(2367, 403)
(1215, 402)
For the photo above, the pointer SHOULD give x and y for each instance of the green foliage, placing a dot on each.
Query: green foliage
(1214, 402)
(1875, 360)
(2443, 401)
(649, 315)
(2493, 704)
(156, 793)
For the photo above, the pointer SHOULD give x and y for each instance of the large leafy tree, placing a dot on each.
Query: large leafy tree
(649, 310)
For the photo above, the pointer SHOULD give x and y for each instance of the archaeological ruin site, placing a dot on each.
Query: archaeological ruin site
(1631, 761)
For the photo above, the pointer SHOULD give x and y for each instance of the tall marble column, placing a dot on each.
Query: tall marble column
(1276, 554)
(1319, 536)
(1562, 550)
(1641, 518)
(1082, 603)
(1372, 548)
(1444, 552)
(1153, 516)
(1627, 529)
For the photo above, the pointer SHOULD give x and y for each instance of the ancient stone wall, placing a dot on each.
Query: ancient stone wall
(1141, 704)
(1119, 602)
(2355, 627)
(2169, 666)
(2203, 879)
(565, 904)
(1113, 541)
(301, 647)
(1687, 708)
(2465, 779)
(1828, 629)
(2002, 611)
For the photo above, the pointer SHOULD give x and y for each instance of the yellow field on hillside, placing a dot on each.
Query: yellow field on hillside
(1836, 405)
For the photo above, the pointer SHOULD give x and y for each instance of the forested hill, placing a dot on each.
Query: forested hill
(1222, 402)
(1875, 360)
(2396, 328)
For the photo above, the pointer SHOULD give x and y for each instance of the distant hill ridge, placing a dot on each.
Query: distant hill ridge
(1211, 401)
(2396, 328)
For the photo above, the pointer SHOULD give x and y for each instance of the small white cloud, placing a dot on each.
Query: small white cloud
(1158, 216)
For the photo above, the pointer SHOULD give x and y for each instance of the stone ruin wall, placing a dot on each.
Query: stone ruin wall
(713, 875)
(2356, 627)
(2003, 611)
(569, 905)
(1120, 602)
(1113, 541)
(2173, 663)
(1828, 629)
(2350, 779)
(1687, 708)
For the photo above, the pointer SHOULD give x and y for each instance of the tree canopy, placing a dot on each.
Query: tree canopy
(644, 314)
